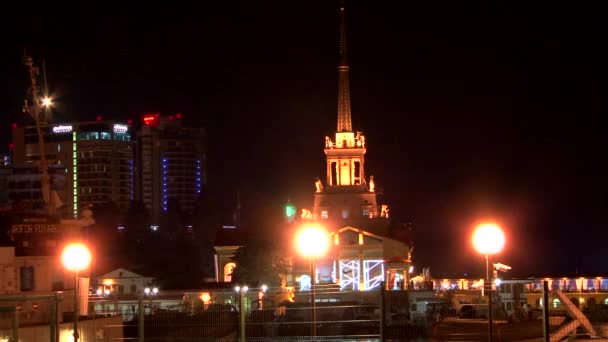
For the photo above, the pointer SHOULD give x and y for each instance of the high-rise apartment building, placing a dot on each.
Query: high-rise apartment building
(97, 158)
(171, 164)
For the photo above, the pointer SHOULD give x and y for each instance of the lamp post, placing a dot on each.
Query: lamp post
(241, 291)
(76, 257)
(488, 239)
(312, 242)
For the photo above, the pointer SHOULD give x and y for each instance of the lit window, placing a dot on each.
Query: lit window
(556, 303)
(324, 214)
(345, 213)
(365, 212)
(305, 283)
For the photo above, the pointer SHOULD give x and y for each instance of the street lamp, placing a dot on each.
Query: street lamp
(312, 242)
(241, 291)
(76, 257)
(488, 239)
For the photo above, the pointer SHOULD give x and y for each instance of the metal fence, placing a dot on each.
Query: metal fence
(261, 314)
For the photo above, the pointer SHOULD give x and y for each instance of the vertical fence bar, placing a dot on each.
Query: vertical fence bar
(56, 300)
(53, 320)
(242, 314)
(546, 333)
(382, 313)
(16, 326)
(140, 319)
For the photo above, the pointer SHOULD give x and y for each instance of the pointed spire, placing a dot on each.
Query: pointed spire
(344, 117)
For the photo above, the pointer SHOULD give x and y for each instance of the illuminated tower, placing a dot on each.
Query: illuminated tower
(347, 194)
(367, 248)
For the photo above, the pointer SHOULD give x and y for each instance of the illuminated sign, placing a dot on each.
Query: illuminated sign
(62, 129)
(118, 128)
(149, 119)
(34, 228)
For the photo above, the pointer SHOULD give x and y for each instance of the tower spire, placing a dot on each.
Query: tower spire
(344, 117)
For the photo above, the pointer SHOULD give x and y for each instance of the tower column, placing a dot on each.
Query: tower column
(352, 172)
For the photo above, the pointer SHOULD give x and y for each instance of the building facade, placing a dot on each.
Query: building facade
(171, 162)
(97, 157)
(123, 282)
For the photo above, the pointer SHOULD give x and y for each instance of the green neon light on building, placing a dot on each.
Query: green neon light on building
(290, 210)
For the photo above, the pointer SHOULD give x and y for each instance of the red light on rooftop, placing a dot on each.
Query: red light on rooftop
(170, 117)
(14, 125)
(178, 115)
(98, 117)
(157, 115)
(129, 121)
(11, 146)
(149, 119)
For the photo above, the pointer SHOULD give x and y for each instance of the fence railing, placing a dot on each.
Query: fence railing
(274, 315)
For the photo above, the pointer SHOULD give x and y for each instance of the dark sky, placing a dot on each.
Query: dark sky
(491, 109)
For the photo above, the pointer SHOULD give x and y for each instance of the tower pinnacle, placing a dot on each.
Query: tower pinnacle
(344, 117)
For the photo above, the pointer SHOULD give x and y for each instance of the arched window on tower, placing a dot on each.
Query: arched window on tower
(228, 269)
(334, 173)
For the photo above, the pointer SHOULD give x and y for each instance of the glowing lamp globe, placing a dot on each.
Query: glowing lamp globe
(312, 241)
(205, 297)
(47, 102)
(76, 257)
(488, 239)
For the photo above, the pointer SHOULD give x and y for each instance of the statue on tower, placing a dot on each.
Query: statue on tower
(384, 211)
(306, 214)
(372, 184)
(319, 185)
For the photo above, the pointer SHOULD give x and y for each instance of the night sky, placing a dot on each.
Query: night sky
(471, 110)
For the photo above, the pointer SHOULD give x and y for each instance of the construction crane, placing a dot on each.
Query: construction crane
(39, 109)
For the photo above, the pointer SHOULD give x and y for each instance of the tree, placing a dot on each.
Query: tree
(258, 263)
(137, 233)
(104, 238)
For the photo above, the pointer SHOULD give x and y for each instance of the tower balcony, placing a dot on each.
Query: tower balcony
(346, 140)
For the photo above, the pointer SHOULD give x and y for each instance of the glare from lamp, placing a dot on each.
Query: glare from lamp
(312, 241)
(47, 101)
(76, 257)
(488, 238)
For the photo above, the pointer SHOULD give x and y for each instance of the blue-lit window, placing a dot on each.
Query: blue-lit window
(122, 136)
(88, 136)
(164, 184)
(198, 176)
